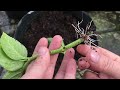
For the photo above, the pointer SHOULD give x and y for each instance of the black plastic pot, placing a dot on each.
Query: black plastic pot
(26, 21)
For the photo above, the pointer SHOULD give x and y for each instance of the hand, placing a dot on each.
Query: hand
(102, 61)
(43, 67)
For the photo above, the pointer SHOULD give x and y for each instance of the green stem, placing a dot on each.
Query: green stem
(63, 49)
(30, 59)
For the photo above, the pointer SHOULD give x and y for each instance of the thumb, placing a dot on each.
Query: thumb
(101, 63)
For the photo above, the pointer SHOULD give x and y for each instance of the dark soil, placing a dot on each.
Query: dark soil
(49, 24)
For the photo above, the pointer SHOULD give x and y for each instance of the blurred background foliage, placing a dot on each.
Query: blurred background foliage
(108, 26)
(107, 23)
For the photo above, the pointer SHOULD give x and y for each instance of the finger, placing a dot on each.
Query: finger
(55, 44)
(39, 66)
(82, 64)
(84, 49)
(43, 42)
(90, 75)
(68, 55)
(104, 76)
(99, 62)
(70, 70)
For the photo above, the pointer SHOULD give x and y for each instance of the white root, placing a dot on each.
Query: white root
(83, 33)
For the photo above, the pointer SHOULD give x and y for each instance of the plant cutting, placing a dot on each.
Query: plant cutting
(24, 53)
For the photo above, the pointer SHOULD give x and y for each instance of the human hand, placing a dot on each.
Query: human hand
(43, 67)
(102, 61)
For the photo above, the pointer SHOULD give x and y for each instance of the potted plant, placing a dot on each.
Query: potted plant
(37, 24)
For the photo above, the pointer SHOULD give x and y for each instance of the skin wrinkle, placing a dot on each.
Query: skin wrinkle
(108, 66)
(104, 52)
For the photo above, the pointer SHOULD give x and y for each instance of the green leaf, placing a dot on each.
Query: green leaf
(13, 48)
(13, 75)
(9, 64)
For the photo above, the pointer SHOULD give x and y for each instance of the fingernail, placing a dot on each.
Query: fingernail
(94, 56)
(42, 51)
